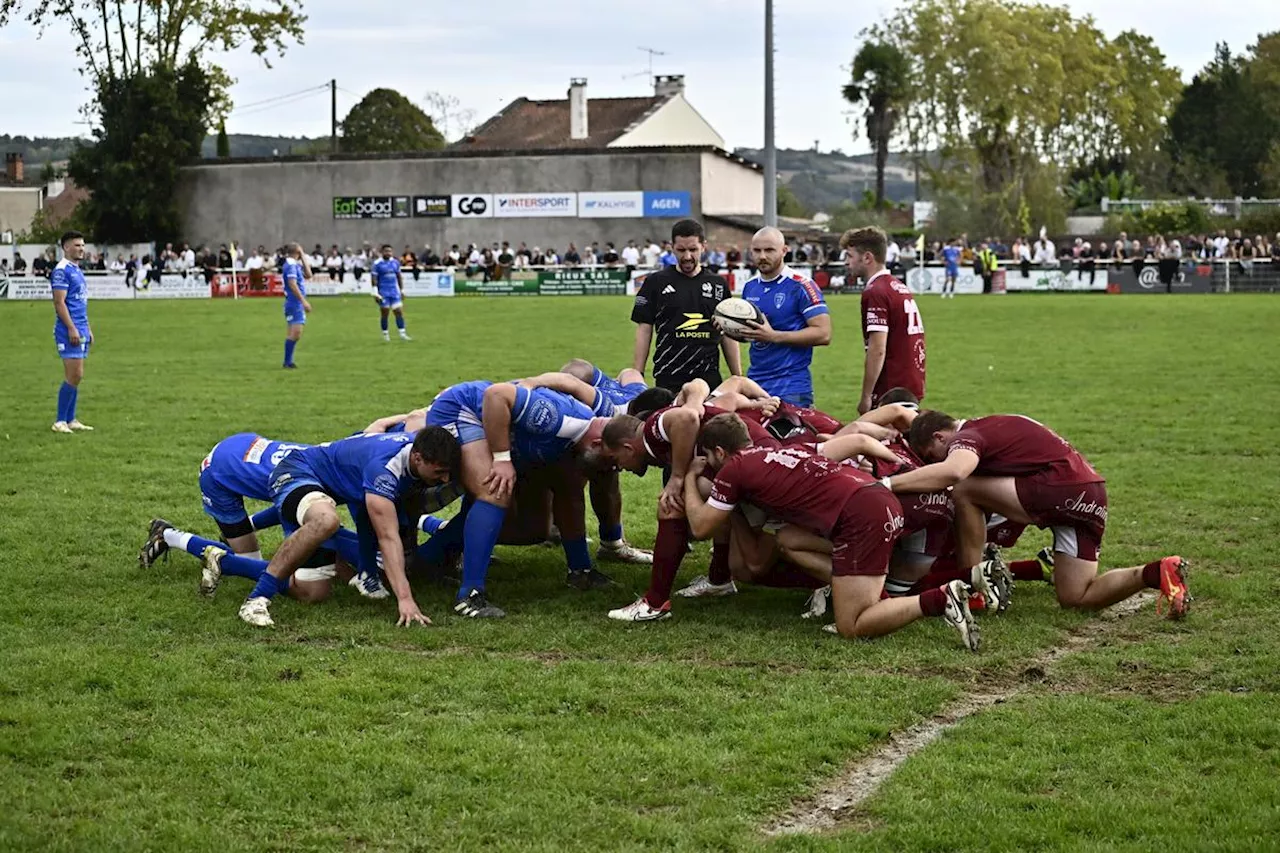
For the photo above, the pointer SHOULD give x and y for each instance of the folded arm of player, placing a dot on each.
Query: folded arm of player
(693, 394)
(583, 392)
(381, 425)
(893, 415)
(681, 426)
(704, 519)
(499, 402)
(940, 475)
(386, 525)
(844, 447)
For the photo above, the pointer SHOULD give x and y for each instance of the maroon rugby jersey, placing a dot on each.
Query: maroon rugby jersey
(658, 445)
(793, 484)
(1017, 446)
(889, 306)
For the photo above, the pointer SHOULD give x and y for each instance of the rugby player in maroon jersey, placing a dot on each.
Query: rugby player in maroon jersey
(1018, 468)
(836, 501)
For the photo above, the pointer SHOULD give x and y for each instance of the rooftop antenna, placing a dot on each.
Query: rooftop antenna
(652, 53)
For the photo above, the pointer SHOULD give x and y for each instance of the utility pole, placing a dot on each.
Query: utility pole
(333, 116)
(770, 148)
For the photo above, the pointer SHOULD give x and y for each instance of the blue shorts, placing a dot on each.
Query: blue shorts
(803, 399)
(390, 299)
(224, 505)
(459, 419)
(63, 342)
(292, 474)
(295, 314)
(953, 273)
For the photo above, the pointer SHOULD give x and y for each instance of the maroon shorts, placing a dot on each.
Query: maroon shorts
(1004, 532)
(1076, 513)
(928, 521)
(863, 536)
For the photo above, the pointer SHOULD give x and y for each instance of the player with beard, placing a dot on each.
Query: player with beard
(833, 500)
(1018, 468)
(892, 330)
(678, 302)
(795, 321)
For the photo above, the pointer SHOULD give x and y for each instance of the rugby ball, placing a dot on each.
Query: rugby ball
(733, 314)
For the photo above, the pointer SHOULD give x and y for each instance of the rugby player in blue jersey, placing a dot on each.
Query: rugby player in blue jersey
(498, 426)
(295, 270)
(239, 467)
(388, 290)
(795, 321)
(71, 331)
(370, 473)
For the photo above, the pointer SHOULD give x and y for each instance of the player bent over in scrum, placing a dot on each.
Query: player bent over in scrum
(1015, 467)
(372, 472)
(839, 502)
(239, 467)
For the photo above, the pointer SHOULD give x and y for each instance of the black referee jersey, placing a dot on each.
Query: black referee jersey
(679, 307)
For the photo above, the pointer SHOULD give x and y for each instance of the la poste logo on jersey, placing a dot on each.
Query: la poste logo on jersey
(536, 204)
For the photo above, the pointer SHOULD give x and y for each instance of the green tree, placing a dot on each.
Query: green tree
(116, 39)
(224, 144)
(387, 121)
(133, 174)
(789, 205)
(879, 82)
(1019, 92)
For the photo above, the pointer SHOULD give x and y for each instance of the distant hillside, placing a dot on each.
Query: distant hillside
(40, 150)
(821, 180)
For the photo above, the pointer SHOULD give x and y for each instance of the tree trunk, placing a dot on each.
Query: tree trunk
(882, 156)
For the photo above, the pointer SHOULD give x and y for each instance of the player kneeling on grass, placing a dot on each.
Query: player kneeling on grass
(859, 516)
(371, 471)
(1015, 467)
(239, 467)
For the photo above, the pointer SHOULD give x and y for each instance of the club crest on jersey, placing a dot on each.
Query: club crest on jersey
(778, 299)
(541, 417)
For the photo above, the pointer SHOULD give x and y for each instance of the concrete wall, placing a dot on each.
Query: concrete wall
(269, 203)
(18, 205)
(675, 123)
(729, 188)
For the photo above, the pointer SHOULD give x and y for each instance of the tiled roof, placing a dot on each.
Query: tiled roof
(525, 124)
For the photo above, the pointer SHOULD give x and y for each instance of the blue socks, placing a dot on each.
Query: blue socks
(288, 351)
(384, 322)
(347, 544)
(269, 517)
(67, 394)
(575, 551)
(610, 532)
(435, 549)
(268, 585)
(232, 564)
(399, 322)
(479, 536)
(431, 525)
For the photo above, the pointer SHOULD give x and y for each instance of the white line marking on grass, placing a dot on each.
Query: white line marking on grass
(825, 810)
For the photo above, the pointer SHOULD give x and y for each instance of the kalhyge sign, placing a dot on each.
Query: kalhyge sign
(535, 204)
(611, 205)
(370, 207)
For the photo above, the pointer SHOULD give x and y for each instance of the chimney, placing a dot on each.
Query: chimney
(578, 108)
(13, 166)
(666, 85)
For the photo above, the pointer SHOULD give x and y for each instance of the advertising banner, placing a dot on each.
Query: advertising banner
(674, 203)
(613, 205)
(1052, 280)
(471, 205)
(99, 287)
(609, 281)
(370, 207)
(1186, 280)
(931, 279)
(535, 204)
(247, 283)
(429, 284)
(521, 283)
(432, 205)
(176, 287)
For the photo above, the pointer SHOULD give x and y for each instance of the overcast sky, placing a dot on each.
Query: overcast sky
(488, 52)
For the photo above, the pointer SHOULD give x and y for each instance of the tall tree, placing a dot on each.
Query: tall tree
(387, 121)
(1020, 91)
(133, 174)
(450, 117)
(223, 144)
(879, 83)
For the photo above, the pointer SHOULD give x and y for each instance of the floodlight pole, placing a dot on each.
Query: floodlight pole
(770, 148)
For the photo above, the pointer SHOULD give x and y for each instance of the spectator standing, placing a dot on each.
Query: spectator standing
(611, 256)
(652, 255)
(118, 265)
(589, 257)
(891, 255)
(733, 257)
(1247, 255)
(630, 256)
(551, 259)
(506, 260)
(668, 257)
(571, 256)
(19, 265)
(796, 320)
(1043, 254)
(1086, 259)
(40, 267)
(986, 264)
(1168, 261)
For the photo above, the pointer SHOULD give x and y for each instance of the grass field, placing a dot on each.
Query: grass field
(136, 716)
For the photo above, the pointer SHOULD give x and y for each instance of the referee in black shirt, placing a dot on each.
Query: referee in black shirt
(679, 301)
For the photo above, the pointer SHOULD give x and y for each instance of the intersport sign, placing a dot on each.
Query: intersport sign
(535, 204)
